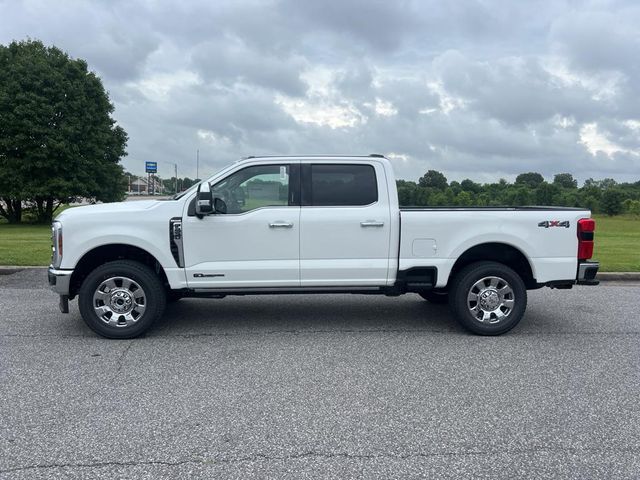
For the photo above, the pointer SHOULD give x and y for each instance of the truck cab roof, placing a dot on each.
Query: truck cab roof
(315, 157)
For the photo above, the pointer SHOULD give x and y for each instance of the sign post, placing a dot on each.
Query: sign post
(150, 168)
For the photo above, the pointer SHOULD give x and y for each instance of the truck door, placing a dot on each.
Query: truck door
(344, 225)
(257, 242)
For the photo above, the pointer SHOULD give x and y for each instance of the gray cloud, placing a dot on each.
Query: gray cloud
(479, 89)
(515, 90)
(377, 24)
(240, 64)
(600, 40)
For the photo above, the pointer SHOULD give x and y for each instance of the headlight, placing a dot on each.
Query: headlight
(56, 244)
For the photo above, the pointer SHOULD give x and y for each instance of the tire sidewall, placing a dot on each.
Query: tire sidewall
(468, 277)
(138, 272)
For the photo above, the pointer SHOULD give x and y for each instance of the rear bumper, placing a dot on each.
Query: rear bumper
(59, 280)
(587, 272)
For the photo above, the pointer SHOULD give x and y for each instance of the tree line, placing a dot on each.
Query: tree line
(600, 196)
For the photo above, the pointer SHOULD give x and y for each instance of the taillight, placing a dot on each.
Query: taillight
(586, 229)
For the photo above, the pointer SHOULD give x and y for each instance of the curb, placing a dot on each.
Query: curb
(619, 276)
(9, 269)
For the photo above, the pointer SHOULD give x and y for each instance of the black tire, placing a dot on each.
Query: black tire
(435, 296)
(117, 322)
(510, 306)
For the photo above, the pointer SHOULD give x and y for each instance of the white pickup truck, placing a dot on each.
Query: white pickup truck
(311, 224)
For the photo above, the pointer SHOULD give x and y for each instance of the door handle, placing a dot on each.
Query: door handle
(280, 225)
(371, 223)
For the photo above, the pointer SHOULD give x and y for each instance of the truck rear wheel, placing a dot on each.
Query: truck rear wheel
(488, 298)
(121, 299)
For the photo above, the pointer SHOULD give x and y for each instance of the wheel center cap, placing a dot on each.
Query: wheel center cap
(121, 301)
(489, 300)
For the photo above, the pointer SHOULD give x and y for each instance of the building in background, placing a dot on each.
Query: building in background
(140, 186)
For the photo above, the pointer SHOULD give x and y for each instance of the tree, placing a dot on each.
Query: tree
(518, 195)
(590, 196)
(455, 187)
(187, 182)
(433, 179)
(607, 183)
(470, 186)
(546, 193)
(565, 180)
(439, 199)
(169, 185)
(423, 197)
(57, 138)
(464, 199)
(611, 201)
(406, 192)
(530, 179)
(568, 198)
(632, 206)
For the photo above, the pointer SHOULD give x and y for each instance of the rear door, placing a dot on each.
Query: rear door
(344, 224)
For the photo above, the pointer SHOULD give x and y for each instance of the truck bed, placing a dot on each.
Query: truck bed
(491, 209)
(437, 236)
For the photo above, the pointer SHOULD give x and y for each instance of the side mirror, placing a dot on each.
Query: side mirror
(204, 200)
(219, 206)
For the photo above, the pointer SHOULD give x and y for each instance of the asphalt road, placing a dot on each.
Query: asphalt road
(321, 387)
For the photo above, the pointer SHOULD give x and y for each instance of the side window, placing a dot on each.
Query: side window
(344, 185)
(254, 187)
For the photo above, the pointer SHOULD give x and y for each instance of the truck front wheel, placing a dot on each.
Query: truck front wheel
(488, 298)
(121, 299)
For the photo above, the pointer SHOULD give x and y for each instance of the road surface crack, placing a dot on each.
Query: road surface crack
(327, 455)
(98, 465)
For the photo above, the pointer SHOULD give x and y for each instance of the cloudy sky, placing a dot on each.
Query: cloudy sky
(481, 89)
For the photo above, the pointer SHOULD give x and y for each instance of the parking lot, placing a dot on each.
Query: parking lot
(321, 387)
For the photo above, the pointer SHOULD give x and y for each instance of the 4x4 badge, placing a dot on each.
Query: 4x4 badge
(554, 223)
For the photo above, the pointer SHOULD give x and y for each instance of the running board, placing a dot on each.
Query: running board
(204, 292)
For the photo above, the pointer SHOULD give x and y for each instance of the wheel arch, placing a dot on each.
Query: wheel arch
(108, 253)
(498, 252)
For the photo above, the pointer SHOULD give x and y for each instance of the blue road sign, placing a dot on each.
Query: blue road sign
(151, 167)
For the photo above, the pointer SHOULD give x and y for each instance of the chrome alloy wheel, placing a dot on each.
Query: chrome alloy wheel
(119, 302)
(490, 300)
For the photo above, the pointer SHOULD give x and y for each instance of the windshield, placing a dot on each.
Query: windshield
(194, 186)
(182, 194)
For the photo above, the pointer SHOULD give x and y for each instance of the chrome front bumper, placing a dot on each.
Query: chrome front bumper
(59, 280)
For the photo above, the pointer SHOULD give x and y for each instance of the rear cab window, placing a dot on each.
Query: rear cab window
(330, 185)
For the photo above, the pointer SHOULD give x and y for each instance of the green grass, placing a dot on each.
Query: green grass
(25, 244)
(617, 244)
